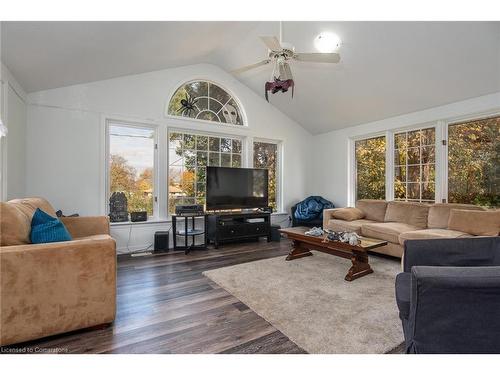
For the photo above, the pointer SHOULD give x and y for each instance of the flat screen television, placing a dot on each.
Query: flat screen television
(235, 188)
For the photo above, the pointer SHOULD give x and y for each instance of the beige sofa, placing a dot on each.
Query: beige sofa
(396, 222)
(51, 288)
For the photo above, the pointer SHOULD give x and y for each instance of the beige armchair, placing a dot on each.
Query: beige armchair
(47, 289)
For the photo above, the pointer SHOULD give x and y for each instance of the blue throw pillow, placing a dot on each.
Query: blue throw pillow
(45, 228)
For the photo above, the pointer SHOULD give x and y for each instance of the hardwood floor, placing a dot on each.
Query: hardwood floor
(166, 305)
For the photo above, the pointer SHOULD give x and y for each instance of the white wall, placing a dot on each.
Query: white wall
(13, 149)
(65, 130)
(330, 175)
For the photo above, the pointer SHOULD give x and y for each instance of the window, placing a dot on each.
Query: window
(474, 162)
(131, 165)
(203, 100)
(189, 154)
(370, 168)
(415, 165)
(265, 155)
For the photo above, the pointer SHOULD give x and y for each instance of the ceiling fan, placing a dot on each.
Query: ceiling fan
(280, 55)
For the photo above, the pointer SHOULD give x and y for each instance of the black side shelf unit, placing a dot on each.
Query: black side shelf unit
(187, 232)
(226, 227)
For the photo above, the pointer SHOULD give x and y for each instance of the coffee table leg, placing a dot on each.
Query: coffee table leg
(298, 251)
(360, 267)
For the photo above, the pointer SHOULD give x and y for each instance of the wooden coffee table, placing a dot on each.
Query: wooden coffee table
(302, 244)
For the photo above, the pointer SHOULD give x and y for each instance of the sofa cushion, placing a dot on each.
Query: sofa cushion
(15, 226)
(45, 229)
(403, 291)
(386, 231)
(15, 219)
(431, 233)
(478, 223)
(374, 209)
(347, 226)
(348, 214)
(439, 213)
(29, 205)
(408, 213)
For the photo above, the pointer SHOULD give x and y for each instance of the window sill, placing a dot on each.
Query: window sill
(150, 221)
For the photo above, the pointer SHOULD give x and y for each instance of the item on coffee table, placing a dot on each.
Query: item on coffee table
(352, 238)
(315, 232)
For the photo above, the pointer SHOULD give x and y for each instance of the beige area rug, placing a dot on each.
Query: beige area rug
(308, 300)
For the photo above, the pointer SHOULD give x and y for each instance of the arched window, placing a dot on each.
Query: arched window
(204, 100)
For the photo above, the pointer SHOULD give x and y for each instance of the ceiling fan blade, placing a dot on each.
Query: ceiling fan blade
(251, 66)
(318, 57)
(272, 43)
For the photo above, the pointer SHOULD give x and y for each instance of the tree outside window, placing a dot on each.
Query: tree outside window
(265, 155)
(189, 155)
(414, 165)
(474, 162)
(131, 165)
(370, 168)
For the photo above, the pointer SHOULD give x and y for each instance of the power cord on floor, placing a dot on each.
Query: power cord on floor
(138, 251)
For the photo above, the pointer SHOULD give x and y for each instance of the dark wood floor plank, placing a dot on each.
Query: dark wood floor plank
(166, 305)
(273, 343)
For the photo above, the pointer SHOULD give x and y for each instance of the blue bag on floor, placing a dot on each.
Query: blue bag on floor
(312, 208)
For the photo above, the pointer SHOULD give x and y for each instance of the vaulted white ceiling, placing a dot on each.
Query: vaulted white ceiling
(386, 69)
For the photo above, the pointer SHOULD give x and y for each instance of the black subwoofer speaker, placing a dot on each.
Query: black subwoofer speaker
(161, 241)
(275, 233)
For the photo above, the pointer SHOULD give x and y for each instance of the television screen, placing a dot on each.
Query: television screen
(232, 188)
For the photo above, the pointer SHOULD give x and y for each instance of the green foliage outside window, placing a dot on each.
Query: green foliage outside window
(474, 162)
(189, 155)
(265, 155)
(370, 168)
(131, 165)
(414, 165)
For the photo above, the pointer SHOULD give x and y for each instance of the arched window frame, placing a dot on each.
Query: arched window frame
(216, 123)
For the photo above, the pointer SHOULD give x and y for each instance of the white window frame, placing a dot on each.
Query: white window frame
(279, 170)
(441, 153)
(445, 124)
(389, 159)
(393, 165)
(3, 141)
(244, 151)
(352, 170)
(138, 125)
(221, 125)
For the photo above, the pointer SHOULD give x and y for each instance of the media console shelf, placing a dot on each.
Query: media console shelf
(225, 227)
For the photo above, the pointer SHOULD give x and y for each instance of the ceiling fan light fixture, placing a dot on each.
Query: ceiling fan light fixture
(327, 42)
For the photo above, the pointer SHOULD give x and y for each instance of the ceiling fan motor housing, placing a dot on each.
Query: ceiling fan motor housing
(284, 53)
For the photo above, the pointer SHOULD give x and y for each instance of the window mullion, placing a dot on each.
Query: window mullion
(442, 162)
(389, 166)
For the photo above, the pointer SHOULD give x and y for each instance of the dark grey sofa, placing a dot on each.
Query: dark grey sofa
(449, 295)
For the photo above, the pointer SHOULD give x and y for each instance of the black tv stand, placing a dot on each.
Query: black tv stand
(231, 226)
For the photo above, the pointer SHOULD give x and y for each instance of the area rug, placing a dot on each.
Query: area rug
(308, 300)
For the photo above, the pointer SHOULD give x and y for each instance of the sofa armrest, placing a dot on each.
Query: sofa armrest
(56, 287)
(475, 251)
(454, 310)
(85, 226)
(327, 215)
